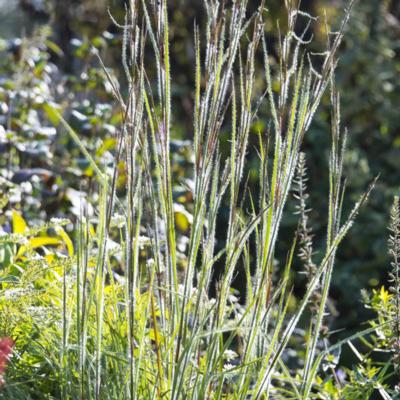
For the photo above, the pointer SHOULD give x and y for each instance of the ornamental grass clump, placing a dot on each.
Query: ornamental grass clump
(165, 324)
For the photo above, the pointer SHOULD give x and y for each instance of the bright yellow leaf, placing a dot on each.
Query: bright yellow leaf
(384, 295)
(183, 219)
(67, 240)
(43, 241)
(18, 222)
(38, 242)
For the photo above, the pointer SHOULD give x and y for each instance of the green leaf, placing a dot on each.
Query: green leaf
(52, 113)
(54, 47)
(6, 255)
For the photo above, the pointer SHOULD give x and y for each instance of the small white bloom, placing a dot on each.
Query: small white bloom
(230, 355)
(228, 367)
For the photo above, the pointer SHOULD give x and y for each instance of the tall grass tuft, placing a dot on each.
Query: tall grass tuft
(157, 331)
